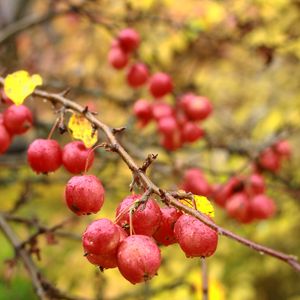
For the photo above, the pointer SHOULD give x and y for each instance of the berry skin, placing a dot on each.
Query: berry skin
(194, 237)
(5, 139)
(160, 85)
(84, 194)
(142, 109)
(161, 110)
(194, 182)
(167, 125)
(109, 260)
(75, 156)
(164, 235)
(283, 149)
(262, 207)
(139, 258)
(171, 142)
(17, 119)
(256, 184)
(145, 219)
(137, 75)
(101, 237)
(117, 58)
(44, 156)
(238, 207)
(270, 160)
(197, 108)
(191, 132)
(128, 39)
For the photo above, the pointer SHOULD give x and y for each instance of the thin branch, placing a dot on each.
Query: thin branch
(148, 184)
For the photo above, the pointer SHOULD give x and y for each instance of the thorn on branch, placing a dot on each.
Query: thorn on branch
(65, 92)
(118, 130)
(148, 161)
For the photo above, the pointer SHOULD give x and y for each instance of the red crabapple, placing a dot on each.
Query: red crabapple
(142, 109)
(238, 207)
(145, 219)
(17, 119)
(138, 258)
(194, 237)
(128, 39)
(165, 233)
(283, 148)
(191, 132)
(76, 157)
(101, 237)
(44, 156)
(161, 110)
(270, 160)
(117, 58)
(171, 142)
(160, 85)
(167, 125)
(256, 184)
(197, 108)
(137, 75)
(5, 139)
(84, 194)
(262, 207)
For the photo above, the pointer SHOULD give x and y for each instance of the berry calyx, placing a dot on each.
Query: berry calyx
(44, 156)
(146, 217)
(17, 119)
(84, 194)
(138, 258)
(76, 157)
(194, 237)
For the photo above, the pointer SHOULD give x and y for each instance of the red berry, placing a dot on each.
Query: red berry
(128, 39)
(117, 58)
(101, 237)
(194, 237)
(44, 156)
(262, 207)
(142, 109)
(167, 125)
(191, 132)
(197, 108)
(195, 182)
(84, 194)
(138, 258)
(161, 110)
(165, 233)
(145, 219)
(5, 139)
(283, 149)
(171, 142)
(75, 157)
(238, 207)
(270, 160)
(160, 85)
(108, 260)
(17, 119)
(256, 184)
(137, 75)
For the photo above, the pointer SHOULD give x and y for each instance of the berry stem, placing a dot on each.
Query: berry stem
(53, 128)
(204, 271)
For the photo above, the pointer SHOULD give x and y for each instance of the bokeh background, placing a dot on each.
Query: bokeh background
(243, 55)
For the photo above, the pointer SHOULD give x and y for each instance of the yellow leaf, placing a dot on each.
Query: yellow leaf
(82, 129)
(19, 85)
(202, 204)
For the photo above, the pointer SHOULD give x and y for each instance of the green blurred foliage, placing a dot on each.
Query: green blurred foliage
(244, 55)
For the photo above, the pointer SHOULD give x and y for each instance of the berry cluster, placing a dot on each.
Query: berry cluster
(177, 124)
(132, 242)
(46, 155)
(15, 120)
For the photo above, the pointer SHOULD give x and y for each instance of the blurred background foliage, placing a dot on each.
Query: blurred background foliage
(243, 55)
